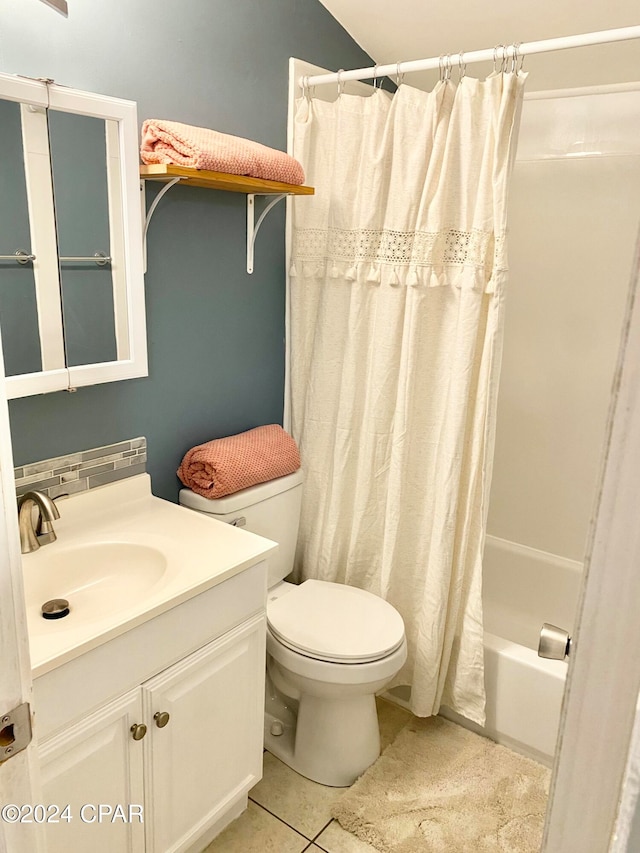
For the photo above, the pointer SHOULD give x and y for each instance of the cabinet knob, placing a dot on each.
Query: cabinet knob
(161, 718)
(138, 730)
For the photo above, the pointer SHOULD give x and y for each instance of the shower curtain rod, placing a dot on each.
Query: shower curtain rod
(489, 54)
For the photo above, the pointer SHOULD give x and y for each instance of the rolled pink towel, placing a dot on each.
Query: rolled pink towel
(226, 465)
(179, 144)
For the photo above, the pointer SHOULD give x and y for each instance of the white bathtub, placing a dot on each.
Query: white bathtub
(522, 588)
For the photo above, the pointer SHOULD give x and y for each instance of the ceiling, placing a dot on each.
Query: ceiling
(393, 30)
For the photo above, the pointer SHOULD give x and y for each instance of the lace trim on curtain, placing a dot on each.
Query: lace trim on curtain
(476, 258)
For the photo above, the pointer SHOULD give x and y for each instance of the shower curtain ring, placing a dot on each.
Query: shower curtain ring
(340, 83)
(462, 65)
(518, 58)
(444, 63)
(495, 58)
(399, 76)
(311, 90)
(375, 75)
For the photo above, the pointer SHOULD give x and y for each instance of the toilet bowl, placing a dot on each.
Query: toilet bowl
(330, 647)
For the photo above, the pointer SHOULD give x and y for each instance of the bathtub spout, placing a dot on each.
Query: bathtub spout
(555, 643)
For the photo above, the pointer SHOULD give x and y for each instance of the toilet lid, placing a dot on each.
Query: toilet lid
(335, 623)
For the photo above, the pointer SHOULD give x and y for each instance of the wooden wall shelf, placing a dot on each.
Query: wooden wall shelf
(221, 181)
(251, 187)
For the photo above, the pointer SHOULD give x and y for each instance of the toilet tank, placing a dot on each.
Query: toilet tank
(270, 509)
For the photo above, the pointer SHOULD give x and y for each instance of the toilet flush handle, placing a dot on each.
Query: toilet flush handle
(240, 521)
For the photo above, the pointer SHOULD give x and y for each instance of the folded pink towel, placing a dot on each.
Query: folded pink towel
(200, 148)
(226, 465)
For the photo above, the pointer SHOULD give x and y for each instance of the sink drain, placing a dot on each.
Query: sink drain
(57, 608)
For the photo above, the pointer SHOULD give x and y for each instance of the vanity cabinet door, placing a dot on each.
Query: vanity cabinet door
(209, 749)
(96, 762)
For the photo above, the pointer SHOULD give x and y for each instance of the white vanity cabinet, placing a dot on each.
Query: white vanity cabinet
(202, 748)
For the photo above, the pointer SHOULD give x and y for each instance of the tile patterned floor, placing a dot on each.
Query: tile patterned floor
(288, 813)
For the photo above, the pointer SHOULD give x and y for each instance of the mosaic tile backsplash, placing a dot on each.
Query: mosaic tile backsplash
(77, 472)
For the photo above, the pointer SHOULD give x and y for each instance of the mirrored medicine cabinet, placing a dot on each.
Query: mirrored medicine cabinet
(71, 267)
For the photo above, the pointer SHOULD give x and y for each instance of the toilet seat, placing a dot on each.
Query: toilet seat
(335, 623)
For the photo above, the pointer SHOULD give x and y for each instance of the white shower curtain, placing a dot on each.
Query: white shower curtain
(397, 291)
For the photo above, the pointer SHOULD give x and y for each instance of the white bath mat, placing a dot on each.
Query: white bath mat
(440, 788)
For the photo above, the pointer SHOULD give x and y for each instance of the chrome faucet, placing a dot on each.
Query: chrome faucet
(31, 538)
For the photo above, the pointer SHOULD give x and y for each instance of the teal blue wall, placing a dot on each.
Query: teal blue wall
(215, 334)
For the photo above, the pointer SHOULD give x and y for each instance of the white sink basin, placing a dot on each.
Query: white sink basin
(96, 579)
(123, 556)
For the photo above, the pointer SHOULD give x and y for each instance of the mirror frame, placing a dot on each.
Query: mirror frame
(129, 304)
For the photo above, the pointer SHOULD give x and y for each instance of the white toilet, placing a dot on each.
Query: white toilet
(330, 647)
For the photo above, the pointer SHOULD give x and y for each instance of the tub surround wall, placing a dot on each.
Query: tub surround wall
(573, 219)
(215, 334)
(573, 222)
(86, 469)
(523, 587)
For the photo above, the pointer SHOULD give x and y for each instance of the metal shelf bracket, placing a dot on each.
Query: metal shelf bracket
(252, 226)
(151, 211)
